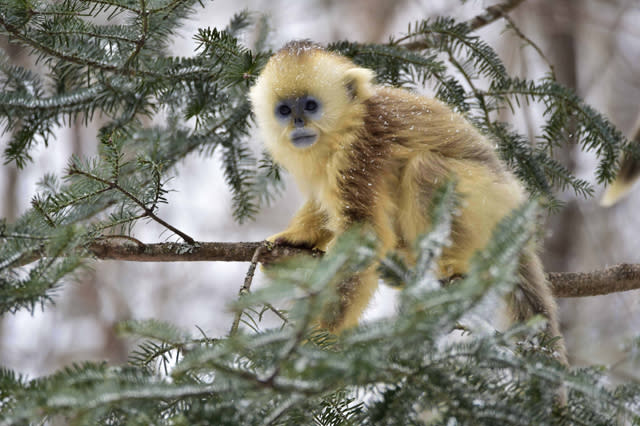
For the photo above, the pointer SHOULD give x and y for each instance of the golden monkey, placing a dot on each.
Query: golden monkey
(368, 154)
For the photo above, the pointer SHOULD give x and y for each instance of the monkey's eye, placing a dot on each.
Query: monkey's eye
(283, 110)
(311, 105)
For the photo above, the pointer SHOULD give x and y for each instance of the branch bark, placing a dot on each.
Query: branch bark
(488, 16)
(493, 13)
(132, 250)
(622, 277)
(615, 279)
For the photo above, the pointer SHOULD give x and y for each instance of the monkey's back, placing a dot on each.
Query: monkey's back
(428, 144)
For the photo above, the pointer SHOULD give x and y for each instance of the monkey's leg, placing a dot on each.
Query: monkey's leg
(352, 297)
(533, 296)
(307, 229)
(353, 294)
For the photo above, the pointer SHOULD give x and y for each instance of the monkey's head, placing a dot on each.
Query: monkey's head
(306, 98)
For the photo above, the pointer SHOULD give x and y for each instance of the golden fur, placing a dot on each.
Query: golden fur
(380, 154)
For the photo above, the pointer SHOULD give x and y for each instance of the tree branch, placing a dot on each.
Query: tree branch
(615, 279)
(493, 13)
(118, 248)
(490, 15)
(622, 277)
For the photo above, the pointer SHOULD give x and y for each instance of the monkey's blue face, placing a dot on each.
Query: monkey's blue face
(298, 113)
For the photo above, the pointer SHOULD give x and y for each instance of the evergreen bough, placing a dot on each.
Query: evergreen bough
(400, 370)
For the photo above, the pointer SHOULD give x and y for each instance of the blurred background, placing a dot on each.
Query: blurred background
(594, 46)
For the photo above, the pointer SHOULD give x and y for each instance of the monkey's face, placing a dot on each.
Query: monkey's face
(305, 103)
(298, 114)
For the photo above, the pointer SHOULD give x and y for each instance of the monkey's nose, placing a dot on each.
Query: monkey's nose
(298, 122)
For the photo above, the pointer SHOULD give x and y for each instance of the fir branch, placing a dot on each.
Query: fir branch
(106, 4)
(105, 396)
(147, 211)
(92, 34)
(144, 16)
(598, 133)
(65, 56)
(58, 259)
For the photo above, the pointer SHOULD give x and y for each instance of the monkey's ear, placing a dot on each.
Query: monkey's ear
(359, 83)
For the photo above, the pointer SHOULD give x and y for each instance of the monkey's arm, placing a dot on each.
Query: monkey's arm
(308, 228)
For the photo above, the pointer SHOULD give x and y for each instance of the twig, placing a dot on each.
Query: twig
(144, 14)
(528, 41)
(148, 212)
(615, 279)
(246, 286)
(279, 314)
(281, 409)
(493, 13)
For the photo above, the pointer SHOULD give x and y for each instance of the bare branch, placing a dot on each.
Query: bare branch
(513, 27)
(490, 15)
(125, 249)
(246, 286)
(615, 279)
(493, 13)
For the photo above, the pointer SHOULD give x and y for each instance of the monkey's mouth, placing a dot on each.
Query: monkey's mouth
(302, 138)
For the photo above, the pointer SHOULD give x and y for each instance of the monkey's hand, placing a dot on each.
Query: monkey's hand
(300, 239)
(291, 238)
(308, 229)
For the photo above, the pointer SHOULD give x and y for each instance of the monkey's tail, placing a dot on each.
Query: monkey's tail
(533, 297)
(627, 175)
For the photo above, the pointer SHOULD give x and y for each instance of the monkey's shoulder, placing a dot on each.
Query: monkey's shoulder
(399, 103)
(402, 123)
